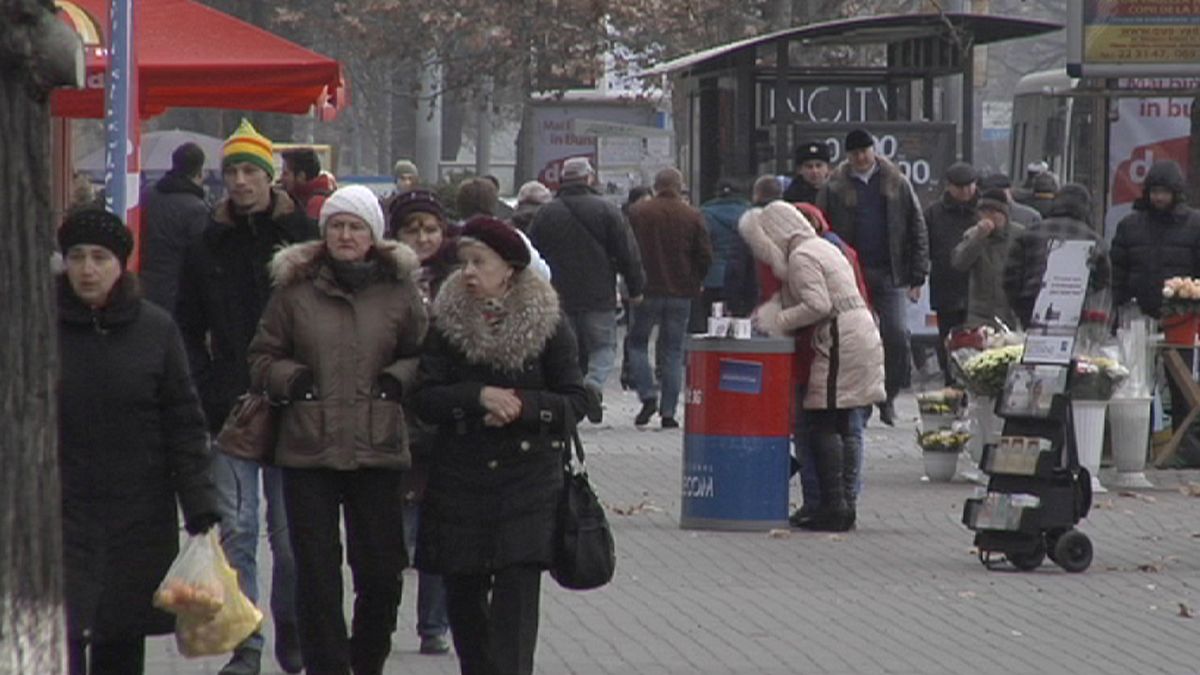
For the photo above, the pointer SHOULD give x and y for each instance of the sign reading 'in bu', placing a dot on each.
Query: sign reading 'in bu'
(922, 150)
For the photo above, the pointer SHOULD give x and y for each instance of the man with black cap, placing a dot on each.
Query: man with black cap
(948, 219)
(1017, 212)
(874, 208)
(812, 172)
(982, 255)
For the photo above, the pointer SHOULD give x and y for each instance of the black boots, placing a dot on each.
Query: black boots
(851, 458)
(835, 514)
(287, 648)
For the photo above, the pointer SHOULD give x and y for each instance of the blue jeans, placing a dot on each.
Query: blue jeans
(671, 317)
(237, 482)
(596, 332)
(891, 304)
(810, 486)
(431, 590)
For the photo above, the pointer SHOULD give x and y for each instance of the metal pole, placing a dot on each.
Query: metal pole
(428, 153)
(782, 118)
(483, 144)
(968, 105)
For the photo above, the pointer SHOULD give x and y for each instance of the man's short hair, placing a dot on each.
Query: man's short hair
(187, 160)
(669, 179)
(476, 196)
(767, 188)
(303, 160)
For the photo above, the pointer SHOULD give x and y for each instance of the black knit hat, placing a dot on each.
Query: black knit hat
(812, 150)
(498, 236)
(97, 227)
(414, 201)
(994, 199)
(859, 138)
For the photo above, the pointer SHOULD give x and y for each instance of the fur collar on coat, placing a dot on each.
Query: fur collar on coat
(304, 261)
(530, 317)
(889, 174)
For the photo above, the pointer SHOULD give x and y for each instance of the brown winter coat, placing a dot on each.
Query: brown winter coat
(676, 249)
(820, 290)
(347, 340)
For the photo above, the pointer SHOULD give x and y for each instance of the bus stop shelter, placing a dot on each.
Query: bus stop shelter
(749, 102)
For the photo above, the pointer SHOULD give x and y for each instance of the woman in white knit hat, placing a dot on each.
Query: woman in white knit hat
(338, 346)
(847, 372)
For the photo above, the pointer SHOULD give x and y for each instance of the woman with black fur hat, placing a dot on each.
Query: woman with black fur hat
(132, 444)
(500, 378)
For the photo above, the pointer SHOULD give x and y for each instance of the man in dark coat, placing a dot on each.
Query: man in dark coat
(812, 172)
(741, 272)
(223, 291)
(1019, 213)
(874, 208)
(587, 242)
(1070, 220)
(721, 216)
(677, 253)
(948, 219)
(1159, 240)
(173, 214)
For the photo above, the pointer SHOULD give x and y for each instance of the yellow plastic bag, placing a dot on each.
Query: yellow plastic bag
(205, 632)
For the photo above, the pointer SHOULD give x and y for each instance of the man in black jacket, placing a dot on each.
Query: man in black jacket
(587, 242)
(948, 219)
(812, 172)
(173, 214)
(873, 207)
(223, 291)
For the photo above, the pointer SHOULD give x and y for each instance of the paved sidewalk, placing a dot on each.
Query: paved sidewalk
(905, 593)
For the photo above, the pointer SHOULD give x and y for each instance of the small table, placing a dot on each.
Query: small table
(1181, 374)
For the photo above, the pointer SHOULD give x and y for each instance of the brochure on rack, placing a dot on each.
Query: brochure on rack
(1050, 337)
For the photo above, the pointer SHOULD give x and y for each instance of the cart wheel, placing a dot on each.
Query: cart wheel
(1027, 562)
(1073, 551)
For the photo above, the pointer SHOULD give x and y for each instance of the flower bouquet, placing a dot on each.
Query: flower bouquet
(986, 372)
(940, 408)
(943, 440)
(1180, 309)
(1095, 378)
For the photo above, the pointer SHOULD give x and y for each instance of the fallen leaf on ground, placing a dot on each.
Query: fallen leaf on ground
(779, 534)
(1104, 504)
(1152, 567)
(966, 594)
(836, 537)
(1185, 611)
(645, 506)
(1137, 495)
(1191, 489)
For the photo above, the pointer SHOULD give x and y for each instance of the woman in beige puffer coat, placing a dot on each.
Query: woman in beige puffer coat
(847, 372)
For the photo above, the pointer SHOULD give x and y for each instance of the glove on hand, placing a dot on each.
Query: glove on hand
(201, 523)
(302, 387)
(388, 387)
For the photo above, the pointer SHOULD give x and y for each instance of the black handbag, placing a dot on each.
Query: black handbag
(585, 555)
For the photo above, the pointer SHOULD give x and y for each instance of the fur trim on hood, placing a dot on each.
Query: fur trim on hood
(529, 318)
(760, 244)
(301, 262)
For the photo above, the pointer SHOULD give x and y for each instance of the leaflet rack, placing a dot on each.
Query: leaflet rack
(1036, 494)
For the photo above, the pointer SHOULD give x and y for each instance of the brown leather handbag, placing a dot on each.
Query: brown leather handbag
(251, 429)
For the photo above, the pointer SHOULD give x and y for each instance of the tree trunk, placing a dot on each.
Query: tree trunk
(32, 636)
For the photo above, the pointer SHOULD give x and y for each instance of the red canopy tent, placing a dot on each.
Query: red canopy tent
(190, 55)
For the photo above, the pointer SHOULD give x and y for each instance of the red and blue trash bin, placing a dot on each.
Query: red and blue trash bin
(737, 434)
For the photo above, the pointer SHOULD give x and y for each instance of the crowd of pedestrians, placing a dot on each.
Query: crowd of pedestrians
(427, 371)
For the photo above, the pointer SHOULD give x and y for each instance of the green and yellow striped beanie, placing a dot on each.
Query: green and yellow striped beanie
(247, 145)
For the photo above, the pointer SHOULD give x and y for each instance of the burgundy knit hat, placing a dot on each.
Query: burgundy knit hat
(498, 236)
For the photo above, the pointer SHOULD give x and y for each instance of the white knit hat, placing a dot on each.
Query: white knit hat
(781, 221)
(357, 201)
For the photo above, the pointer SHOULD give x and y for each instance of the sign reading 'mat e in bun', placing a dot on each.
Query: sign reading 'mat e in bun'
(1136, 38)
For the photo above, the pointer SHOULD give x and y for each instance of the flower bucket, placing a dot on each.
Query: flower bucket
(1181, 329)
(1089, 437)
(987, 426)
(940, 466)
(1130, 420)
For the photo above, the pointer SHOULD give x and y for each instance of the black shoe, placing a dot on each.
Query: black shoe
(887, 413)
(643, 417)
(669, 423)
(432, 645)
(287, 648)
(245, 661)
(802, 517)
(595, 406)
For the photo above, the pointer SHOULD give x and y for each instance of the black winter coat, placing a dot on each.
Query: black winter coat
(800, 190)
(223, 291)
(131, 441)
(587, 242)
(1153, 246)
(948, 220)
(174, 214)
(493, 493)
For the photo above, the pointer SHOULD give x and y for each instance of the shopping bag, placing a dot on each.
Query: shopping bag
(251, 429)
(199, 630)
(585, 554)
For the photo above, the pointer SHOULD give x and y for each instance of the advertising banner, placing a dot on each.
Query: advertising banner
(557, 136)
(1145, 130)
(1109, 38)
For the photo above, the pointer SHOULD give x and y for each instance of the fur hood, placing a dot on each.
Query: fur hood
(769, 232)
(890, 186)
(302, 262)
(760, 244)
(530, 318)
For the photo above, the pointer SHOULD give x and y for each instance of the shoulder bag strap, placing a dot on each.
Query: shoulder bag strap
(587, 228)
(571, 438)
